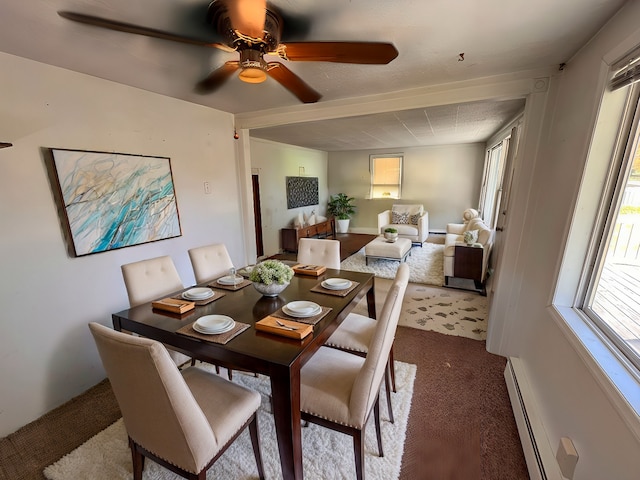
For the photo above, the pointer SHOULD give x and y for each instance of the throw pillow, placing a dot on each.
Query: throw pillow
(414, 219)
(470, 236)
(311, 220)
(398, 218)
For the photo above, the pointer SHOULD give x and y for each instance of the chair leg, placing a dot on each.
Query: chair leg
(387, 388)
(358, 450)
(230, 373)
(393, 369)
(376, 415)
(137, 459)
(253, 431)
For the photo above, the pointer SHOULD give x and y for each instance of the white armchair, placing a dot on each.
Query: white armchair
(411, 221)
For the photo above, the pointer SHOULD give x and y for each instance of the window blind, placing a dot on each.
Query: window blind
(626, 71)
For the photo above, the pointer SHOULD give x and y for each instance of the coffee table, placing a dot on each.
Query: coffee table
(382, 249)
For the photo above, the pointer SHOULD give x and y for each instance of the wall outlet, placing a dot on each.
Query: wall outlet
(207, 188)
(567, 457)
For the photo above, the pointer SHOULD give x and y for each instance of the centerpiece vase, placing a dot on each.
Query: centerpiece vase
(271, 290)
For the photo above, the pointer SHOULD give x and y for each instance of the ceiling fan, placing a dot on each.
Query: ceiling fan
(254, 29)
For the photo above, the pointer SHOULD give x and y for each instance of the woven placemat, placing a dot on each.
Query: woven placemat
(220, 338)
(199, 303)
(235, 287)
(308, 320)
(339, 293)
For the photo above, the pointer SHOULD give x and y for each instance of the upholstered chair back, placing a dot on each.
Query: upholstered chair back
(158, 408)
(365, 388)
(210, 261)
(318, 251)
(148, 280)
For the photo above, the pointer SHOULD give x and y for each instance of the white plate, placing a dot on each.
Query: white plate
(212, 324)
(197, 293)
(217, 332)
(336, 284)
(228, 280)
(302, 307)
(301, 315)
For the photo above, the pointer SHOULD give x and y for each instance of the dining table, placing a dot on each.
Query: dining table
(276, 356)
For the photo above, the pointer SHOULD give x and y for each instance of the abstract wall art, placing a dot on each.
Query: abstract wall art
(113, 200)
(302, 191)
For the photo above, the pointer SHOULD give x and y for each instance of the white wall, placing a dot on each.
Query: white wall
(446, 179)
(47, 298)
(273, 162)
(574, 397)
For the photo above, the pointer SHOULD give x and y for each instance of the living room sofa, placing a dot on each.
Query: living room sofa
(411, 221)
(466, 267)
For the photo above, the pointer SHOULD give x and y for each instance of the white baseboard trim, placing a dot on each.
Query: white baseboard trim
(538, 453)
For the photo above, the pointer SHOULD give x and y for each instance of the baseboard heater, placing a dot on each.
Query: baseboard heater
(539, 455)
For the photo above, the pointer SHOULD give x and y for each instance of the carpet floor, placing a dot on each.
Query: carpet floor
(460, 427)
(326, 454)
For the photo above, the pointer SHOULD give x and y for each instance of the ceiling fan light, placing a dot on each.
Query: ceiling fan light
(252, 75)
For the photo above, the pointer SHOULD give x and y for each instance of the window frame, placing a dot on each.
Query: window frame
(626, 144)
(620, 379)
(372, 185)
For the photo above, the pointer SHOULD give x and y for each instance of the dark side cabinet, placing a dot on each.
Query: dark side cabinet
(468, 262)
(290, 236)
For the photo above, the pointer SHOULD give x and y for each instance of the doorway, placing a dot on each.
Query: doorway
(257, 215)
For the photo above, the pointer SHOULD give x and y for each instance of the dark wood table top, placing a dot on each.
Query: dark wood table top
(279, 357)
(251, 349)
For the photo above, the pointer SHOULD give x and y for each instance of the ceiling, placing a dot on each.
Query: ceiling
(495, 38)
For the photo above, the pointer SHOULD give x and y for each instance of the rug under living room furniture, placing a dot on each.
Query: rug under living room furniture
(382, 249)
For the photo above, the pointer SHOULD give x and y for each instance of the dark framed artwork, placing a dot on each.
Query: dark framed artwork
(302, 191)
(113, 200)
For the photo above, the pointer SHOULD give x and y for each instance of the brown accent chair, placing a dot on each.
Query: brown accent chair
(339, 390)
(184, 420)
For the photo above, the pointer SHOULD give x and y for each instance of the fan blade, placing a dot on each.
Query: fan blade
(217, 77)
(130, 28)
(292, 82)
(247, 16)
(375, 53)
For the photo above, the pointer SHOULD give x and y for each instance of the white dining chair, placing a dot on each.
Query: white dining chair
(148, 280)
(210, 261)
(319, 251)
(183, 421)
(355, 333)
(339, 390)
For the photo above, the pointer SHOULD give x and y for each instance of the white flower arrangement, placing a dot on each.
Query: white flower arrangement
(271, 271)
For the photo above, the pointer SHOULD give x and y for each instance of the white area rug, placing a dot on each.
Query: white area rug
(326, 454)
(444, 310)
(426, 264)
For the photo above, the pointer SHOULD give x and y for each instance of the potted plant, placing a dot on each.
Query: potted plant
(391, 234)
(342, 208)
(271, 277)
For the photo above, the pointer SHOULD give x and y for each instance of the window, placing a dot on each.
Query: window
(386, 176)
(611, 297)
(492, 182)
